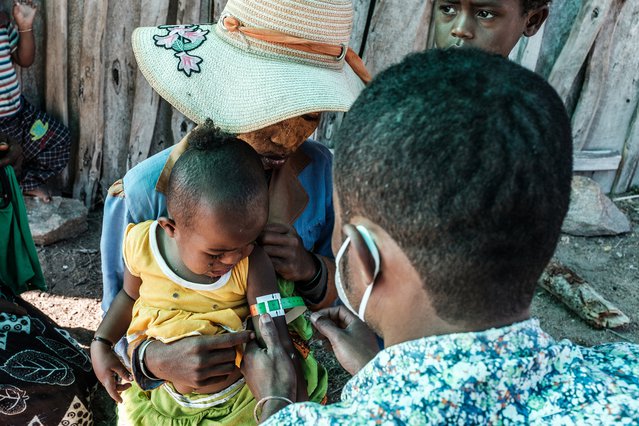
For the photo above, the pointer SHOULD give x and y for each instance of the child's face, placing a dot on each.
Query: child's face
(217, 239)
(491, 25)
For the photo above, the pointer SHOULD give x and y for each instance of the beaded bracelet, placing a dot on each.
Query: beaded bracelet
(261, 402)
(25, 31)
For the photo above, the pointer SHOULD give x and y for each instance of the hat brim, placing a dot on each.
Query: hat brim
(241, 92)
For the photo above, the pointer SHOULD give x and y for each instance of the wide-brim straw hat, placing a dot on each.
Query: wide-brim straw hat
(243, 83)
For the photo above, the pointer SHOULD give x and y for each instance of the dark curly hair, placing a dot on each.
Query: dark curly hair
(216, 170)
(465, 159)
(529, 5)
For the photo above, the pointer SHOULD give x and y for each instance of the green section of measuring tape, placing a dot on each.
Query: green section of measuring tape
(274, 305)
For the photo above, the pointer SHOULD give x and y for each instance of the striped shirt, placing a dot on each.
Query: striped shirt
(9, 85)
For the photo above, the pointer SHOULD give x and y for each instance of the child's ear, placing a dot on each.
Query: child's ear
(168, 225)
(535, 20)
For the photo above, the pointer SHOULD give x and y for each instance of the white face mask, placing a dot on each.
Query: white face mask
(368, 239)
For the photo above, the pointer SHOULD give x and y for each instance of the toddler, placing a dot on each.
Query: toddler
(196, 272)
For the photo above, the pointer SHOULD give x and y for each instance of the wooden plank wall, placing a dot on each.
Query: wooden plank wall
(85, 75)
(91, 101)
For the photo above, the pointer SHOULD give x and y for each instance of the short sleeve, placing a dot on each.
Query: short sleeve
(14, 36)
(135, 239)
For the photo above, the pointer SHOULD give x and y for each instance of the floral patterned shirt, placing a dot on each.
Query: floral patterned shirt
(511, 375)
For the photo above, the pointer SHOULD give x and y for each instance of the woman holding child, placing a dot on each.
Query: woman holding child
(263, 72)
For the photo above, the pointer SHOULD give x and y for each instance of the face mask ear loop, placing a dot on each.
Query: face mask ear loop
(368, 239)
(342, 249)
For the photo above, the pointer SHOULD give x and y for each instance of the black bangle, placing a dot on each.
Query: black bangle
(313, 281)
(102, 340)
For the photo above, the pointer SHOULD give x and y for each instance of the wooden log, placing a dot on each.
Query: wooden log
(330, 121)
(580, 297)
(91, 102)
(119, 90)
(146, 100)
(397, 28)
(582, 36)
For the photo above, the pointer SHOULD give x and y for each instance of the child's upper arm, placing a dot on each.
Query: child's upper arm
(262, 281)
(13, 37)
(261, 275)
(131, 284)
(135, 239)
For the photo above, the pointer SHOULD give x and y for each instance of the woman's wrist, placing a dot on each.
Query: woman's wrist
(142, 359)
(269, 405)
(314, 289)
(144, 376)
(313, 274)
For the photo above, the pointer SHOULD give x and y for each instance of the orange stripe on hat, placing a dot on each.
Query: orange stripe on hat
(339, 52)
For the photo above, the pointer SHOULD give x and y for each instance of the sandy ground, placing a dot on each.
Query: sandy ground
(609, 264)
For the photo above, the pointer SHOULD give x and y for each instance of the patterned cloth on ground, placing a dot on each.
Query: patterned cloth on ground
(45, 376)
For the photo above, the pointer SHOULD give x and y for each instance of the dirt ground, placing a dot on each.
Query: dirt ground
(609, 264)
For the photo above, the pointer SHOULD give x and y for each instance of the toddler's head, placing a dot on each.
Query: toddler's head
(491, 25)
(217, 201)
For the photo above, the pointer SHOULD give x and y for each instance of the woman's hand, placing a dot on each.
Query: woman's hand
(203, 360)
(108, 368)
(269, 371)
(353, 343)
(287, 252)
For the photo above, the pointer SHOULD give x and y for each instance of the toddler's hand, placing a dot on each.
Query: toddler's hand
(109, 370)
(24, 13)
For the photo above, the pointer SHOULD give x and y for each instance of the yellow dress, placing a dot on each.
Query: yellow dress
(170, 308)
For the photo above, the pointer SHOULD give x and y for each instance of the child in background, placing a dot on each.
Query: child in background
(44, 143)
(191, 274)
(491, 26)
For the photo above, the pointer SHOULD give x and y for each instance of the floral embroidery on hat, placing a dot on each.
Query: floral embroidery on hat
(183, 39)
